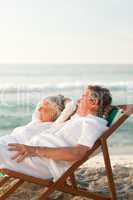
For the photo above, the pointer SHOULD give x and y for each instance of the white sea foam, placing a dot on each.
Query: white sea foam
(12, 88)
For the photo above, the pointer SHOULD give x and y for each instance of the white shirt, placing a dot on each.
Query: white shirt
(24, 133)
(79, 130)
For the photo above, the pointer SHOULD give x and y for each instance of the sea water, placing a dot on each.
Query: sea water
(23, 85)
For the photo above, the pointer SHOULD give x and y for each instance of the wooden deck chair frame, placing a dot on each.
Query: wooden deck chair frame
(61, 183)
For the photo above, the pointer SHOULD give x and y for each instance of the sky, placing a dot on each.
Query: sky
(66, 31)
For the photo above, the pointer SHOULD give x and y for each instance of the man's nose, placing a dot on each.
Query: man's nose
(78, 101)
(40, 109)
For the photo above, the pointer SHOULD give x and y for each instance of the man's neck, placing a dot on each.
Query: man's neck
(85, 113)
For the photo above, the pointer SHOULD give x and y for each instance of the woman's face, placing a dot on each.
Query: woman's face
(47, 111)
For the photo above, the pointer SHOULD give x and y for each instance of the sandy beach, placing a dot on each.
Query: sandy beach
(92, 176)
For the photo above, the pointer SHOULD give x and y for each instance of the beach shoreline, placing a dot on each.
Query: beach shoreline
(118, 159)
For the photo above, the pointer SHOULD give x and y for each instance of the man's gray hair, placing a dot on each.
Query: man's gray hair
(103, 95)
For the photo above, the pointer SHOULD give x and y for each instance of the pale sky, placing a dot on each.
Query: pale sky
(66, 31)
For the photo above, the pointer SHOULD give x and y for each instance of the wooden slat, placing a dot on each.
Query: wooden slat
(11, 190)
(27, 177)
(114, 127)
(4, 180)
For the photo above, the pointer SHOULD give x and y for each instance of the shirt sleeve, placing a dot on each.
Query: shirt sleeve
(90, 133)
(67, 112)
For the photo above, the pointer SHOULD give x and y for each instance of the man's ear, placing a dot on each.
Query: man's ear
(95, 102)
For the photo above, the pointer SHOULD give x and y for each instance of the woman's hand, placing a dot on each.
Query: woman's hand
(22, 150)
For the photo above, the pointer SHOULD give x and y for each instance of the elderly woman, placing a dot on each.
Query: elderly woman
(61, 104)
(50, 112)
(65, 106)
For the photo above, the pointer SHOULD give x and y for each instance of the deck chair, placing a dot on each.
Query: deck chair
(61, 184)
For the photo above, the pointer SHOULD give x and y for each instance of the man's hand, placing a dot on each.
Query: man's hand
(70, 154)
(129, 110)
(22, 151)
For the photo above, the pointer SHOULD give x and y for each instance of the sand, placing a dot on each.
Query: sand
(91, 176)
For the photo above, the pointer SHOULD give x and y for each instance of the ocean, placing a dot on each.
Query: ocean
(23, 85)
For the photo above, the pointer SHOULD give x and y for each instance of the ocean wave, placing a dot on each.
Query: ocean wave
(10, 121)
(10, 88)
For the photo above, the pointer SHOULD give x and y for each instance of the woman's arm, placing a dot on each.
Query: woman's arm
(70, 108)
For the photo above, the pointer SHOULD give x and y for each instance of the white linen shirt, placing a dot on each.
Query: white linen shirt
(79, 130)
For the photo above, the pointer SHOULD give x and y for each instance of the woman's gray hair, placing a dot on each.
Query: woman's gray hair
(59, 100)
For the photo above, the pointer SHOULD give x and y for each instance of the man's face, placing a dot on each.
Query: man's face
(85, 101)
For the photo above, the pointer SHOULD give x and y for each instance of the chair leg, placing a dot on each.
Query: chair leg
(108, 169)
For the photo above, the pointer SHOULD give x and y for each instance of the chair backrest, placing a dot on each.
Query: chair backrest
(119, 117)
(113, 115)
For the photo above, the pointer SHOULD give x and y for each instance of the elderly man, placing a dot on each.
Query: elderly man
(49, 155)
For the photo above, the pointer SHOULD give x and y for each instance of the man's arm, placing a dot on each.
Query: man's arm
(62, 153)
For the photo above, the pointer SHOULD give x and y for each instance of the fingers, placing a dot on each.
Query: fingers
(13, 147)
(19, 157)
(15, 156)
(14, 144)
(21, 151)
